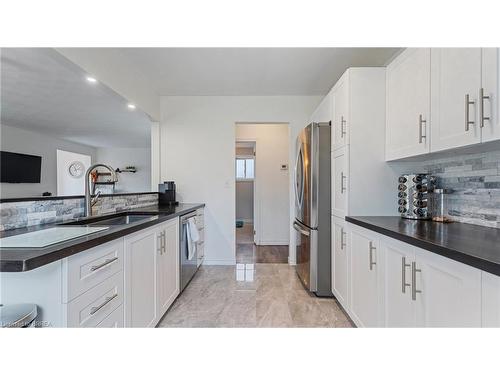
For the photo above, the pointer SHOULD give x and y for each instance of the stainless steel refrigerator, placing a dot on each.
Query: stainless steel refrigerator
(312, 222)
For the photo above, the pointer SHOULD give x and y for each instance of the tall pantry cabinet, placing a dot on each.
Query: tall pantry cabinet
(360, 175)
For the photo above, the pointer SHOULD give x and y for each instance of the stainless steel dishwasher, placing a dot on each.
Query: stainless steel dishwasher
(187, 267)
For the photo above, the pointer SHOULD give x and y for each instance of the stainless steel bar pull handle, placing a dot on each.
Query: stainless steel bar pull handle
(95, 309)
(404, 284)
(468, 102)
(160, 247)
(342, 178)
(105, 263)
(342, 127)
(372, 262)
(421, 123)
(300, 230)
(342, 242)
(414, 289)
(482, 97)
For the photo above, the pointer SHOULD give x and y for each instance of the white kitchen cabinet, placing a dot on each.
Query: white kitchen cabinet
(490, 300)
(490, 124)
(446, 293)
(455, 84)
(359, 173)
(340, 261)
(399, 311)
(423, 289)
(364, 275)
(113, 320)
(140, 278)
(408, 104)
(340, 105)
(340, 181)
(167, 266)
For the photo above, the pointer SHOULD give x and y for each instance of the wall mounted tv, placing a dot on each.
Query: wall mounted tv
(17, 168)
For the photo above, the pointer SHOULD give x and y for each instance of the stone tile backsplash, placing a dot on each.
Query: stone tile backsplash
(475, 180)
(15, 215)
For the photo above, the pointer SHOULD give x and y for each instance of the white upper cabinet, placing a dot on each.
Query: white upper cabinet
(340, 122)
(455, 84)
(340, 181)
(408, 104)
(489, 105)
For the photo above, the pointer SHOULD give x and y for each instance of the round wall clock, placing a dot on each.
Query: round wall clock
(76, 169)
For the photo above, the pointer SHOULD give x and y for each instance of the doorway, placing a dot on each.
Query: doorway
(262, 193)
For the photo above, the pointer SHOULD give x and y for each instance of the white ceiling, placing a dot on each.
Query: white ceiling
(44, 92)
(245, 71)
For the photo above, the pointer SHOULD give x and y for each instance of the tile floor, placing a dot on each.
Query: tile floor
(275, 298)
(248, 252)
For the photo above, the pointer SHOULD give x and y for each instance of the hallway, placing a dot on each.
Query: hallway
(275, 298)
(248, 252)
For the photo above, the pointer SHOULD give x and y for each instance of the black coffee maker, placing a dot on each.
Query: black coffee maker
(166, 196)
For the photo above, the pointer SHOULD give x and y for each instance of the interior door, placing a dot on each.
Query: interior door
(455, 80)
(408, 104)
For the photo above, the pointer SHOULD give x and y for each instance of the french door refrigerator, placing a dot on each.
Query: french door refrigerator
(312, 224)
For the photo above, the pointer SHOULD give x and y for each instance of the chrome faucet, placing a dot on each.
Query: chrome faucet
(88, 201)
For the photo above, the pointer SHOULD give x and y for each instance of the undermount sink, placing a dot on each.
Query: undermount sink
(114, 219)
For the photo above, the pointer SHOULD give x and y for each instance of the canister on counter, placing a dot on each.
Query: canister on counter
(441, 205)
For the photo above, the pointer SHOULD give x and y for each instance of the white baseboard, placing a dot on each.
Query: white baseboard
(219, 262)
(274, 243)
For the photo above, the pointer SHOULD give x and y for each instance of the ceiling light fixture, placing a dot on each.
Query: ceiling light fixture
(91, 79)
(131, 106)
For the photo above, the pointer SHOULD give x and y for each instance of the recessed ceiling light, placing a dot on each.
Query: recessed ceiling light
(131, 106)
(91, 79)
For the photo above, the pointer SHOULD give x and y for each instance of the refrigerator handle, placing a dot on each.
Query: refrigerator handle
(300, 230)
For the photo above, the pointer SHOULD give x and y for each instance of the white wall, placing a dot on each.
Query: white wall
(66, 183)
(197, 152)
(28, 142)
(272, 208)
(122, 157)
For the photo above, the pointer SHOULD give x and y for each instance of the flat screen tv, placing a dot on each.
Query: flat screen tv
(17, 168)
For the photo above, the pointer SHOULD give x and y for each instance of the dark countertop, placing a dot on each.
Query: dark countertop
(474, 245)
(25, 259)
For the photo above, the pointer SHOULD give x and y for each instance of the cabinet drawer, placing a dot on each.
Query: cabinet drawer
(92, 307)
(113, 320)
(85, 270)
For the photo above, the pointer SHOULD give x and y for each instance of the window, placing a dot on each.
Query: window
(245, 168)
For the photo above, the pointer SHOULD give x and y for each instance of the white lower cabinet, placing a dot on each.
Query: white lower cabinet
(151, 273)
(398, 309)
(140, 278)
(490, 300)
(446, 293)
(340, 261)
(394, 284)
(167, 266)
(113, 320)
(364, 278)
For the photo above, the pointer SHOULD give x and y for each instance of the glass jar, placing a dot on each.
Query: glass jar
(441, 205)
